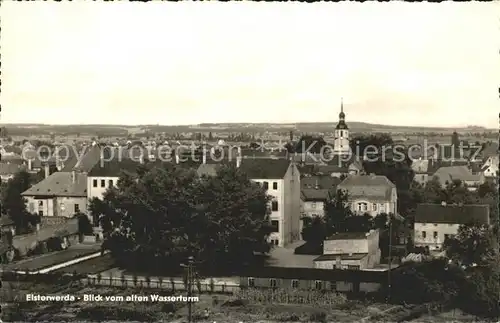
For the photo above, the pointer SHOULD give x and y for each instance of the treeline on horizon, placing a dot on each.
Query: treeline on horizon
(101, 131)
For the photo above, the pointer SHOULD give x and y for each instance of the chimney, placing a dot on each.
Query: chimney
(30, 166)
(176, 158)
(204, 158)
(73, 176)
(47, 170)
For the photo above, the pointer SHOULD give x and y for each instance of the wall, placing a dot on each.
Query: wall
(288, 215)
(292, 179)
(51, 206)
(375, 206)
(345, 246)
(429, 228)
(313, 208)
(99, 191)
(330, 264)
(276, 215)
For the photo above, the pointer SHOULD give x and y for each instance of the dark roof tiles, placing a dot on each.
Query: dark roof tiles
(265, 168)
(60, 184)
(452, 214)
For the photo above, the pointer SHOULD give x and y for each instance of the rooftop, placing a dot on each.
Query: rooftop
(451, 173)
(349, 236)
(312, 194)
(268, 168)
(452, 214)
(60, 184)
(343, 256)
(370, 186)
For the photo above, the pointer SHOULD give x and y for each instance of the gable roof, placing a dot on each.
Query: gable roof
(113, 168)
(452, 214)
(60, 184)
(311, 194)
(265, 168)
(369, 186)
(324, 182)
(451, 173)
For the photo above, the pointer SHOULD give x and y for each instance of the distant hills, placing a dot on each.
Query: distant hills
(303, 127)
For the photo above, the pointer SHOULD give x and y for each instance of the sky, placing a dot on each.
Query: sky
(187, 63)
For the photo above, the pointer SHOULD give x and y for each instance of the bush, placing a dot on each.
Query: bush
(318, 317)
(104, 313)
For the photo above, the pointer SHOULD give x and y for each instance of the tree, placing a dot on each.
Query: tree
(474, 244)
(13, 204)
(337, 211)
(360, 144)
(314, 231)
(311, 144)
(167, 214)
(430, 281)
(479, 295)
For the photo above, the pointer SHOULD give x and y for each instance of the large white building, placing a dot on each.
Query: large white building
(434, 223)
(281, 178)
(371, 194)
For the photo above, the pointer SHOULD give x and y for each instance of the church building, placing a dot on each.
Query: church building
(341, 135)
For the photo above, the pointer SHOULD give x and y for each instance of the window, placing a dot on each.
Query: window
(353, 267)
(110, 183)
(295, 283)
(273, 283)
(40, 203)
(446, 237)
(103, 183)
(276, 242)
(362, 206)
(435, 235)
(374, 206)
(318, 285)
(94, 183)
(40, 213)
(266, 185)
(341, 134)
(275, 225)
(274, 206)
(333, 286)
(275, 185)
(251, 282)
(77, 208)
(435, 224)
(424, 234)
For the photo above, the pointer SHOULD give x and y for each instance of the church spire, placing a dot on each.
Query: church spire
(342, 114)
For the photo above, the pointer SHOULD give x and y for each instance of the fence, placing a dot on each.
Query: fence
(158, 283)
(285, 296)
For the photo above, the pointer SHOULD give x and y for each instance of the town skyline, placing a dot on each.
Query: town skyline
(191, 68)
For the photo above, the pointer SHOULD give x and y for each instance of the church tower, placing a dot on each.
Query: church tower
(341, 134)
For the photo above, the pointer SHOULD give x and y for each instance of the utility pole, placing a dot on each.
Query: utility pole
(390, 260)
(189, 274)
